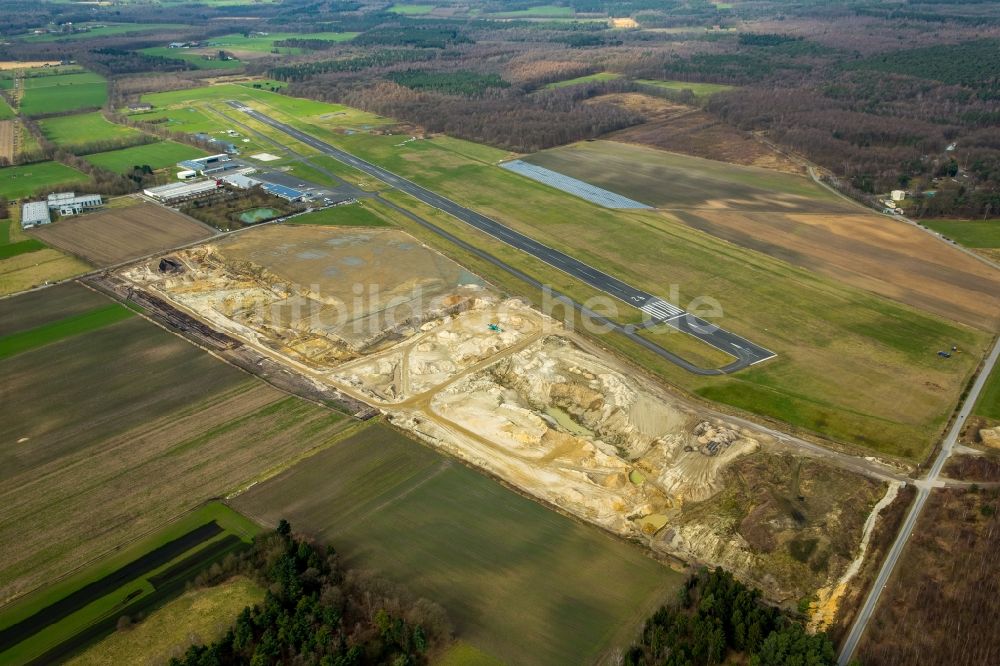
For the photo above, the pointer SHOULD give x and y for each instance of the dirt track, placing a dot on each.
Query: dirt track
(7, 129)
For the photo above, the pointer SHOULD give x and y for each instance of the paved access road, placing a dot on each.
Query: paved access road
(924, 487)
(657, 309)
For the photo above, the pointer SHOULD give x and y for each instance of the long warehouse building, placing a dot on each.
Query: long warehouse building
(181, 191)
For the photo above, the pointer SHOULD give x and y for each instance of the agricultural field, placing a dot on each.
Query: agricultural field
(119, 234)
(262, 44)
(103, 410)
(539, 11)
(700, 90)
(60, 619)
(25, 262)
(350, 215)
(940, 603)
(791, 218)
(683, 129)
(85, 128)
(840, 367)
(63, 92)
(600, 76)
(412, 10)
(202, 613)
(105, 30)
(157, 155)
(643, 174)
(8, 130)
(17, 182)
(520, 581)
(197, 57)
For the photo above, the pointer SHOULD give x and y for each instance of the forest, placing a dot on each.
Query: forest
(881, 96)
(317, 612)
(719, 620)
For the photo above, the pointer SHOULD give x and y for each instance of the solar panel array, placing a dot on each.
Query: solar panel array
(573, 186)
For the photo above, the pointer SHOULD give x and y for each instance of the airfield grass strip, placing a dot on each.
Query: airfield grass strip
(17, 343)
(166, 590)
(9, 250)
(59, 610)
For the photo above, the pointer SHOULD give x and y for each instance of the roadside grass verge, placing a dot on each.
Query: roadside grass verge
(988, 405)
(970, 233)
(23, 341)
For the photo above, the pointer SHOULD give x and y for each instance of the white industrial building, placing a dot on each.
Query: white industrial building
(34, 213)
(241, 181)
(69, 203)
(180, 191)
(898, 195)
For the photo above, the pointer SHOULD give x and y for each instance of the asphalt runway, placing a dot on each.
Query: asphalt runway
(658, 310)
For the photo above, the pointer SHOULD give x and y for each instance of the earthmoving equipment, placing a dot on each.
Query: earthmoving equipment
(496, 328)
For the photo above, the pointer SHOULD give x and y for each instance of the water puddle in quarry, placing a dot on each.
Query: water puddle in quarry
(566, 422)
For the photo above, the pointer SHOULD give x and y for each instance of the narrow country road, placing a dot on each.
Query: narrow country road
(924, 487)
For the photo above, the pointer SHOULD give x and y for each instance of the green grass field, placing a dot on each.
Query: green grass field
(202, 612)
(265, 44)
(63, 92)
(8, 250)
(107, 30)
(520, 581)
(411, 10)
(82, 129)
(600, 76)
(970, 233)
(22, 181)
(6, 113)
(197, 59)
(699, 89)
(156, 155)
(988, 405)
(540, 11)
(113, 604)
(125, 426)
(348, 215)
(23, 341)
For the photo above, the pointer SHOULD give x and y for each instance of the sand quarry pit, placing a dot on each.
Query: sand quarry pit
(496, 383)
(317, 295)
